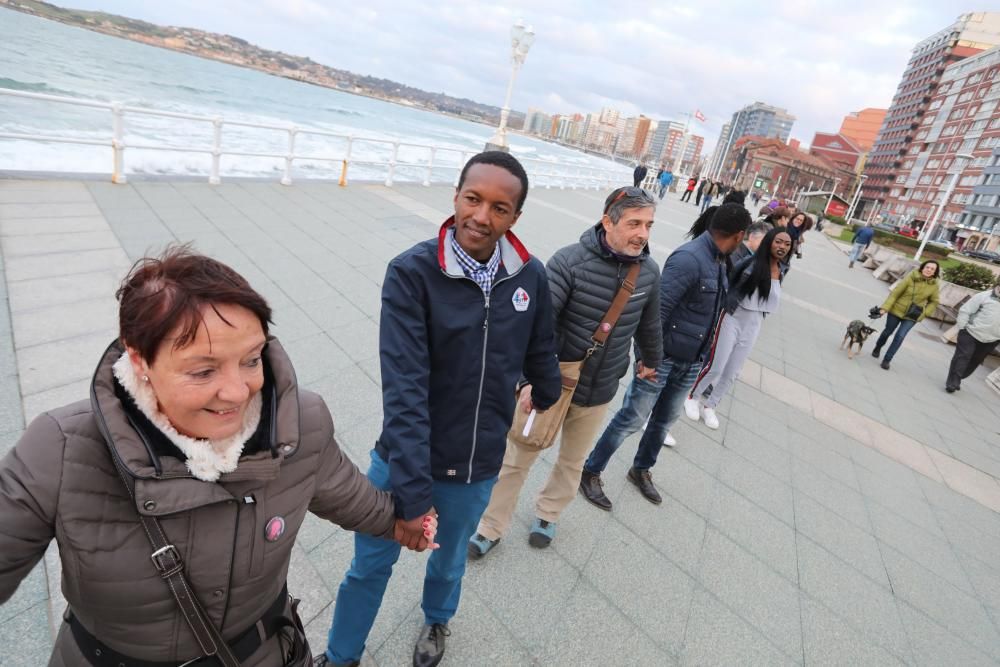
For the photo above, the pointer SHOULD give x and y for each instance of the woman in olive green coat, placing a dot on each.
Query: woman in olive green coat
(913, 299)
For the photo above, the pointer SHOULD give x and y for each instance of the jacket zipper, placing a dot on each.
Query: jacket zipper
(482, 380)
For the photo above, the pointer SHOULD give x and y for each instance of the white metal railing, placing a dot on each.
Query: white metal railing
(544, 172)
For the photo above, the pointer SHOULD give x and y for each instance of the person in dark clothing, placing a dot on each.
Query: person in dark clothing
(639, 175)
(584, 279)
(692, 294)
(862, 239)
(701, 189)
(464, 317)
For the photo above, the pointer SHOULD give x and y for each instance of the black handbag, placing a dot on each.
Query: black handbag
(913, 312)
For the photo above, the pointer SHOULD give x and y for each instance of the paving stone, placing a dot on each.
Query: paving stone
(32, 591)
(932, 552)
(28, 295)
(681, 543)
(7, 441)
(839, 536)
(934, 645)
(760, 452)
(762, 488)
(830, 493)
(27, 638)
(49, 399)
(50, 365)
(65, 321)
(770, 539)
(958, 611)
(66, 263)
(11, 415)
(589, 614)
(869, 609)
(828, 640)
(753, 590)
(717, 636)
(350, 395)
(43, 244)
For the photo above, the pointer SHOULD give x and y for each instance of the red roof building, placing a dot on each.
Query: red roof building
(783, 170)
(837, 148)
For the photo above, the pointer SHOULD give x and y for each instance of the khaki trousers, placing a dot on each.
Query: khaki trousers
(577, 437)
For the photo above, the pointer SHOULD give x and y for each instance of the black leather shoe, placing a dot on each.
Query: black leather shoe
(951, 390)
(885, 365)
(322, 661)
(877, 351)
(643, 481)
(591, 488)
(430, 645)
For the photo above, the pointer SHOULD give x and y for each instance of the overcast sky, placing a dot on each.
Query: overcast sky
(818, 59)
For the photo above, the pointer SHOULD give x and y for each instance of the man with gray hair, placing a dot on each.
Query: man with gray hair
(751, 241)
(583, 280)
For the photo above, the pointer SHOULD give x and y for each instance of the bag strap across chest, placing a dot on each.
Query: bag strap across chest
(610, 319)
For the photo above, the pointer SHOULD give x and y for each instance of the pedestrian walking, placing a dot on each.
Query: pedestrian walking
(176, 491)
(639, 175)
(692, 292)
(711, 190)
(691, 182)
(666, 178)
(798, 225)
(700, 191)
(585, 278)
(463, 316)
(978, 333)
(860, 242)
(754, 293)
(913, 299)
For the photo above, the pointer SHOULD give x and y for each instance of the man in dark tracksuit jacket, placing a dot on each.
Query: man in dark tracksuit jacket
(585, 278)
(464, 316)
(692, 293)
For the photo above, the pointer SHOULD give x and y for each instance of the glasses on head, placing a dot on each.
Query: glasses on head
(627, 191)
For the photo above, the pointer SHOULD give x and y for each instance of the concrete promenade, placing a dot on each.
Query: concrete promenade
(842, 514)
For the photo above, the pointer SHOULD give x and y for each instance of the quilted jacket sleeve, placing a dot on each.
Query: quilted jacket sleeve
(344, 495)
(649, 335)
(30, 476)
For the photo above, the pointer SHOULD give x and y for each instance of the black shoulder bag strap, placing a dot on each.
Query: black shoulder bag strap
(168, 563)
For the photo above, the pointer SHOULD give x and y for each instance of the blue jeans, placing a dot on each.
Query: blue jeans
(891, 322)
(459, 507)
(706, 201)
(661, 400)
(856, 251)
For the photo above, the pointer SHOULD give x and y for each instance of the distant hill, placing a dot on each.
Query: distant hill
(236, 51)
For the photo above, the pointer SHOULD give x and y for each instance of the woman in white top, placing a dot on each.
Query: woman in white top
(754, 291)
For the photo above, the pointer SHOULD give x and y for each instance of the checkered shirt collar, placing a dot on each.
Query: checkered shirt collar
(483, 274)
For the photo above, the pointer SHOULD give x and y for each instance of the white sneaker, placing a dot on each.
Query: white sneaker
(669, 441)
(711, 419)
(692, 408)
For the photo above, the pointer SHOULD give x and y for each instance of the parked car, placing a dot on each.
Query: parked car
(985, 255)
(908, 232)
(886, 227)
(942, 244)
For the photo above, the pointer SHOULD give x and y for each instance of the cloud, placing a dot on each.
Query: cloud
(817, 59)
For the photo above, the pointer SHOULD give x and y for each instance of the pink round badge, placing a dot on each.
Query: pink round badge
(605, 327)
(274, 529)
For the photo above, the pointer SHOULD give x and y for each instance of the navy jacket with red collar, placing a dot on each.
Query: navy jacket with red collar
(451, 358)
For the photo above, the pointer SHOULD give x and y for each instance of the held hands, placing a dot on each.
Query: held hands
(418, 533)
(644, 373)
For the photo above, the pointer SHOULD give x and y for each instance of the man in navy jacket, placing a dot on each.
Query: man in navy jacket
(692, 293)
(464, 317)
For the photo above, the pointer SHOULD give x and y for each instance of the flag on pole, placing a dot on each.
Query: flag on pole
(699, 116)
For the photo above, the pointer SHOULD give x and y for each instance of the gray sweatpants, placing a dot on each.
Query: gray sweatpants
(737, 334)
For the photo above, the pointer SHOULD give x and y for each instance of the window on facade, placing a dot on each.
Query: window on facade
(974, 78)
(938, 179)
(924, 180)
(901, 179)
(979, 124)
(908, 164)
(936, 104)
(949, 130)
(973, 110)
(965, 97)
(933, 164)
(981, 93)
(918, 195)
(995, 123)
(956, 114)
(894, 192)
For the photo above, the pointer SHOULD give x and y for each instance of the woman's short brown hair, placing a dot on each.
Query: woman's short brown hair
(162, 293)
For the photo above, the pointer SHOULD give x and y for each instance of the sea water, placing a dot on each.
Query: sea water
(43, 56)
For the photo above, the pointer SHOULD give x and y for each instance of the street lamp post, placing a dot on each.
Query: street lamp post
(855, 199)
(521, 39)
(960, 161)
(829, 200)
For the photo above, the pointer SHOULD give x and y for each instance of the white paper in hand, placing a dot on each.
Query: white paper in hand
(527, 425)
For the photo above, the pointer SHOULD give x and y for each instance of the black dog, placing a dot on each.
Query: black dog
(857, 333)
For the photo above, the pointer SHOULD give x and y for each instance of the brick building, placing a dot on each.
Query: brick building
(784, 170)
(862, 127)
(970, 34)
(961, 118)
(837, 148)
